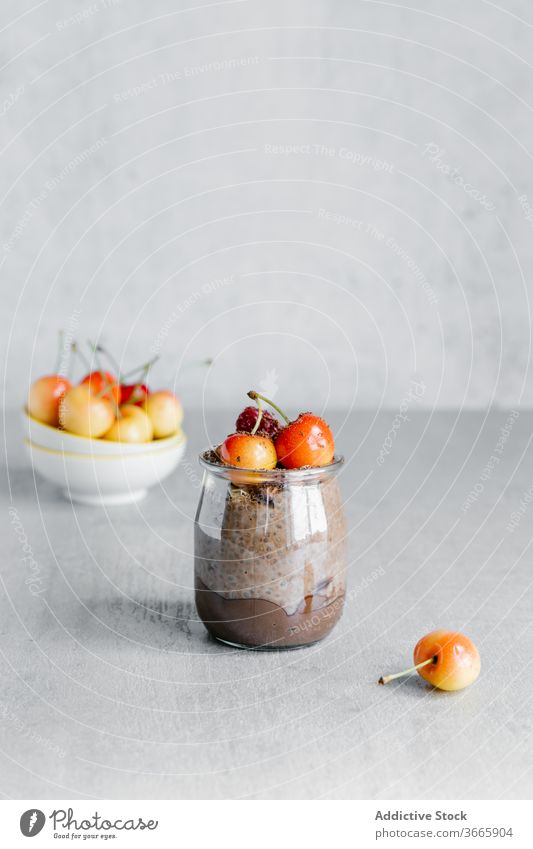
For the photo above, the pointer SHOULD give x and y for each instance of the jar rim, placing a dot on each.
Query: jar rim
(271, 475)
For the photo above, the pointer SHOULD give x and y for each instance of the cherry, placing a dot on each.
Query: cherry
(165, 412)
(104, 385)
(134, 393)
(129, 393)
(82, 412)
(46, 393)
(447, 659)
(45, 396)
(247, 420)
(248, 451)
(307, 441)
(132, 426)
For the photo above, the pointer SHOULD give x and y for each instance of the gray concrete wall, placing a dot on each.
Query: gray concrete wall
(329, 198)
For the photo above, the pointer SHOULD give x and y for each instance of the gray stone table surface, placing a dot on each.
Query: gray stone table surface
(112, 688)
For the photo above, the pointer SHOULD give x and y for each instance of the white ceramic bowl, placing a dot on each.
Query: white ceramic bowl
(95, 471)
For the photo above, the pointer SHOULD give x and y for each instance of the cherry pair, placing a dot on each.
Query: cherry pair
(260, 442)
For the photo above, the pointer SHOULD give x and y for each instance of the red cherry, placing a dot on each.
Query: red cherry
(308, 441)
(134, 393)
(268, 426)
(248, 452)
(104, 384)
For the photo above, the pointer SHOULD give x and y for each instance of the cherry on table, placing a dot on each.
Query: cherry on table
(446, 659)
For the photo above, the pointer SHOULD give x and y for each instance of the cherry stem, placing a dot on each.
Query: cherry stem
(142, 369)
(107, 392)
(95, 349)
(110, 357)
(387, 678)
(194, 363)
(255, 396)
(143, 377)
(108, 386)
(79, 353)
(145, 367)
(259, 416)
(59, 354)
(70, 365)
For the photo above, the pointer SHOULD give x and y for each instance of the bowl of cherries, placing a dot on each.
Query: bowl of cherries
(106, 439)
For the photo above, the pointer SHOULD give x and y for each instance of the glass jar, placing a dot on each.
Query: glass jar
(270, 554)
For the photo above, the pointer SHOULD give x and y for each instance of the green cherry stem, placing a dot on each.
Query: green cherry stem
(387, 678)
(255, 396)
(259, 417)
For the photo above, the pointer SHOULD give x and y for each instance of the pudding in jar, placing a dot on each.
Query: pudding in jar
(270, 554)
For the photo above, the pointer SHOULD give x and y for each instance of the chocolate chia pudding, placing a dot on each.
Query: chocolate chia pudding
(270, 563)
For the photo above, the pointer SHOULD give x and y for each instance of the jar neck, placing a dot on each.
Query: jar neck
(280, 477)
